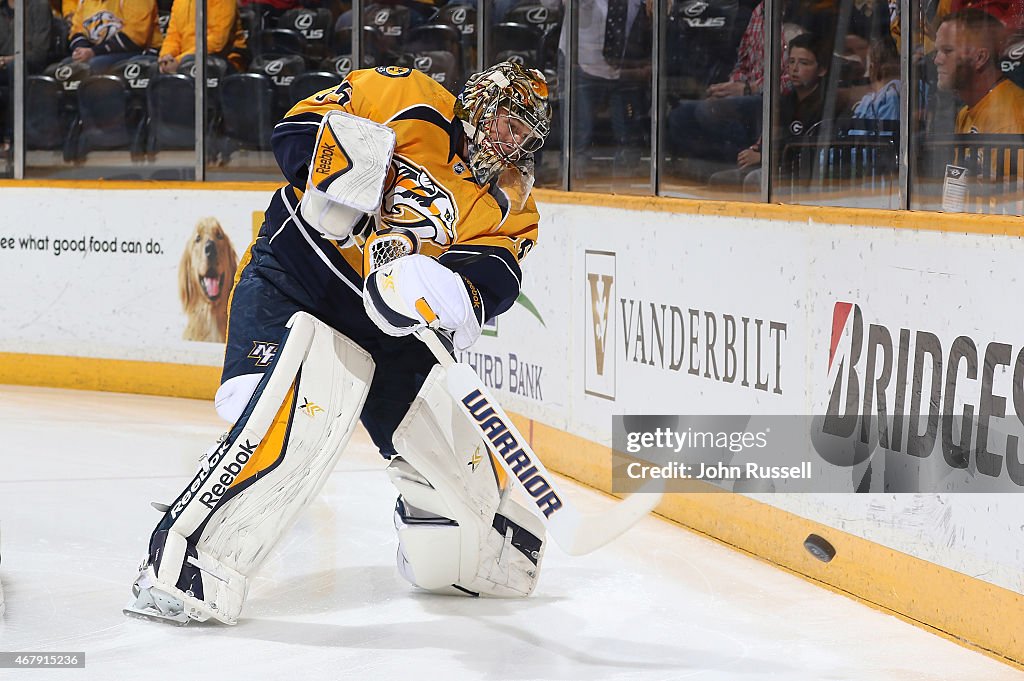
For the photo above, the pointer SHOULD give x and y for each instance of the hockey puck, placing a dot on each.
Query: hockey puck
(819, 548)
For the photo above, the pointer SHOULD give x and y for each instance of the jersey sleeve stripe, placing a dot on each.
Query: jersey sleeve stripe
(503, 255)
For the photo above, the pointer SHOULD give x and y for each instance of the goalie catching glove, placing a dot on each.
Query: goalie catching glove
(391, 293)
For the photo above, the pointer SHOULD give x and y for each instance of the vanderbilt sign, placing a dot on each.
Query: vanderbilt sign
(599, 376)
(675, 337)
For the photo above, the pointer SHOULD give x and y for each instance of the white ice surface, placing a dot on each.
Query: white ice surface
(77, 473)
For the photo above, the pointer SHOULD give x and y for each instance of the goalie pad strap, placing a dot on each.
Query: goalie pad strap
(271, 464)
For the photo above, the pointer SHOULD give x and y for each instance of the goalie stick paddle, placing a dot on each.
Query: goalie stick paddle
(575, 532)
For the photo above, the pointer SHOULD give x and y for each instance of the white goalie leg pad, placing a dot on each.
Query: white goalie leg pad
(350, 164)
(458, 531)
(272, 463)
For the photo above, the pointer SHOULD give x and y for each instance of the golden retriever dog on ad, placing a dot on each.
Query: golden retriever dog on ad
(205, 277)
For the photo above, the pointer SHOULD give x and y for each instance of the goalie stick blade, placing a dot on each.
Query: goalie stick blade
(595, 530)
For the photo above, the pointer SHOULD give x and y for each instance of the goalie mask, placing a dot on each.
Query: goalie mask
(505, 113)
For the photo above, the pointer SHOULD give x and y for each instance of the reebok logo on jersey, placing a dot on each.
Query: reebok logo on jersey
(263, 353)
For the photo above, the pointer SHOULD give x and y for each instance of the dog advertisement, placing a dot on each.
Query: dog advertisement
(150, 281)
(206, 275)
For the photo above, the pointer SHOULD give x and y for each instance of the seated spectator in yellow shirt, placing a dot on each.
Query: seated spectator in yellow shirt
(223, 32)
(967, 47)
(65, 9)
(106, 32)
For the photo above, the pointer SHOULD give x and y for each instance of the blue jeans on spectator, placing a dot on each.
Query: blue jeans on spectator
(623, 99)
(715, 129)
(101, 63)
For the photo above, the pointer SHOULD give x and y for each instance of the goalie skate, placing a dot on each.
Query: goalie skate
(151, 603)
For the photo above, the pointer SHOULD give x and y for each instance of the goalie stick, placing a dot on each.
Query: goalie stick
(575, 532)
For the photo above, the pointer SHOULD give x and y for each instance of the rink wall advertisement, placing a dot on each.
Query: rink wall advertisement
(137, 275)
(715, 315)
(624, 311)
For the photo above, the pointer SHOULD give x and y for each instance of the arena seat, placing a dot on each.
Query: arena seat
(1012, 61)
(702, 44)
(519, 40)
(46, 119)
(463, 18)
(440, 65)
(858, 152)
(103, 116)
(279, 42)
(392, 21)
(315, 27)
(340, 66)
(246, 103)
(434, 37)
(172, 118)
(281, 71)
(311, 82)
(535, 15)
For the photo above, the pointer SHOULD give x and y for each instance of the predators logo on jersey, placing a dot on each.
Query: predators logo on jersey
(102, 26)
(416, 201)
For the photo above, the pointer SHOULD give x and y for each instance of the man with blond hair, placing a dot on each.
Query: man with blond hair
(967, 46)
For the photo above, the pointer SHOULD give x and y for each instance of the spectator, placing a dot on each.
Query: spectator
(420, 11)
(729, 119)
(107, 32)
(613, 70)
(883, 102)
(38, 27)
(967, 47)
(37, 43)
(64, 9)
(269, 10)
(1009, 12)
(800, 109)
(223, 33)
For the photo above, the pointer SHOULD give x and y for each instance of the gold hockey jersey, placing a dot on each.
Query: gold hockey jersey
(223, 26)
(475, 230)
(115, 25)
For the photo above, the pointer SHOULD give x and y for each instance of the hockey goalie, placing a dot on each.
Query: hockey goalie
(386, 164)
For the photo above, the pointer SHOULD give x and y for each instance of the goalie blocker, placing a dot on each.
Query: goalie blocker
(351, 159)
